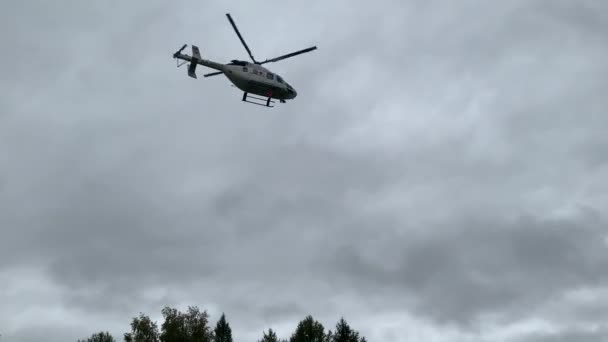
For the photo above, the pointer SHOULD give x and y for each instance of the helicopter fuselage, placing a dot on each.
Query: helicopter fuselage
(255, 79)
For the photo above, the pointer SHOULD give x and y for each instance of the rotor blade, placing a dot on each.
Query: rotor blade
(289, 55)
(179, 51)
(213, 74)
(240, 37)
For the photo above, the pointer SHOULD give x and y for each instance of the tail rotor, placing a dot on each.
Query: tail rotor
(194, 59)
(179, 52)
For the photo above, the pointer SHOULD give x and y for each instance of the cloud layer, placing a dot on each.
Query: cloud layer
(440, 177)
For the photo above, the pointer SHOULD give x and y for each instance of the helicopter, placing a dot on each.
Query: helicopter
(259, 85)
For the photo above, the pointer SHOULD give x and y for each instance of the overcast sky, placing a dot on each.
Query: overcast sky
(442, 175)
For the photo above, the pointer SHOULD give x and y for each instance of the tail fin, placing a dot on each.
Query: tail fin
(196, 53)
(196, 57)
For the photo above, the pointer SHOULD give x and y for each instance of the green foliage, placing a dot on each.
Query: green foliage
(143, 329)
(344, 333)
(191, 326)
(222, 331)
(99, 337)
(329, 336)
(270, 337)
(309, 330)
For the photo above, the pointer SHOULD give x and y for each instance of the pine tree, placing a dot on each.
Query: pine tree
(222, 331)
(270, 337)
(329, 336)
(344, 333)
(308, 330)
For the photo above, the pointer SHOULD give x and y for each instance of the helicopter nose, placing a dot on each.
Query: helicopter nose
(292, 93)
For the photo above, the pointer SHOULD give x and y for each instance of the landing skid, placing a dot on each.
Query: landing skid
(261, 101)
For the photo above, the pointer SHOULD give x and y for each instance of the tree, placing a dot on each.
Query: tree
(344, 333)
(308, 330)
(329, 336)
(222, 331)
(191, 326)
(99, 337)
(270, 337)
(143, 329)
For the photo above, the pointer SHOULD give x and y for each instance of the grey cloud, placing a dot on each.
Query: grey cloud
(37, 332)
(474, 268)
(583, 335)
(421, 130)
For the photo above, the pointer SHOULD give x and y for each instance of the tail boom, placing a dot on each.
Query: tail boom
(195, 60)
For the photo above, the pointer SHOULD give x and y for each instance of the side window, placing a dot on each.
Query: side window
(269, 76)
(245, 69)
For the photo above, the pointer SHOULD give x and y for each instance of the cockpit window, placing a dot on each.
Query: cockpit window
(279, 79)
(237, 62)
(269, 76)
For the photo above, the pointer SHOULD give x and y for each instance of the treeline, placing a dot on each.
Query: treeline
(194, 326)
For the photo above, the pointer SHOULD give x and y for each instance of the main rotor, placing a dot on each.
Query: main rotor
(276, 59)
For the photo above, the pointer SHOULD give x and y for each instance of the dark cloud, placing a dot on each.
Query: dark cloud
(441, 171)
(468, 269)
(583, 335)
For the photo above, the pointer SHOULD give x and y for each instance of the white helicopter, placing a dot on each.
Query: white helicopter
(251, 78)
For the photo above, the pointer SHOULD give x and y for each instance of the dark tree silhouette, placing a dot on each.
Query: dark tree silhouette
(344, 333)
(191, 326)
(143, 329)
(308, 330)
(222, 331)
(270, 337)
